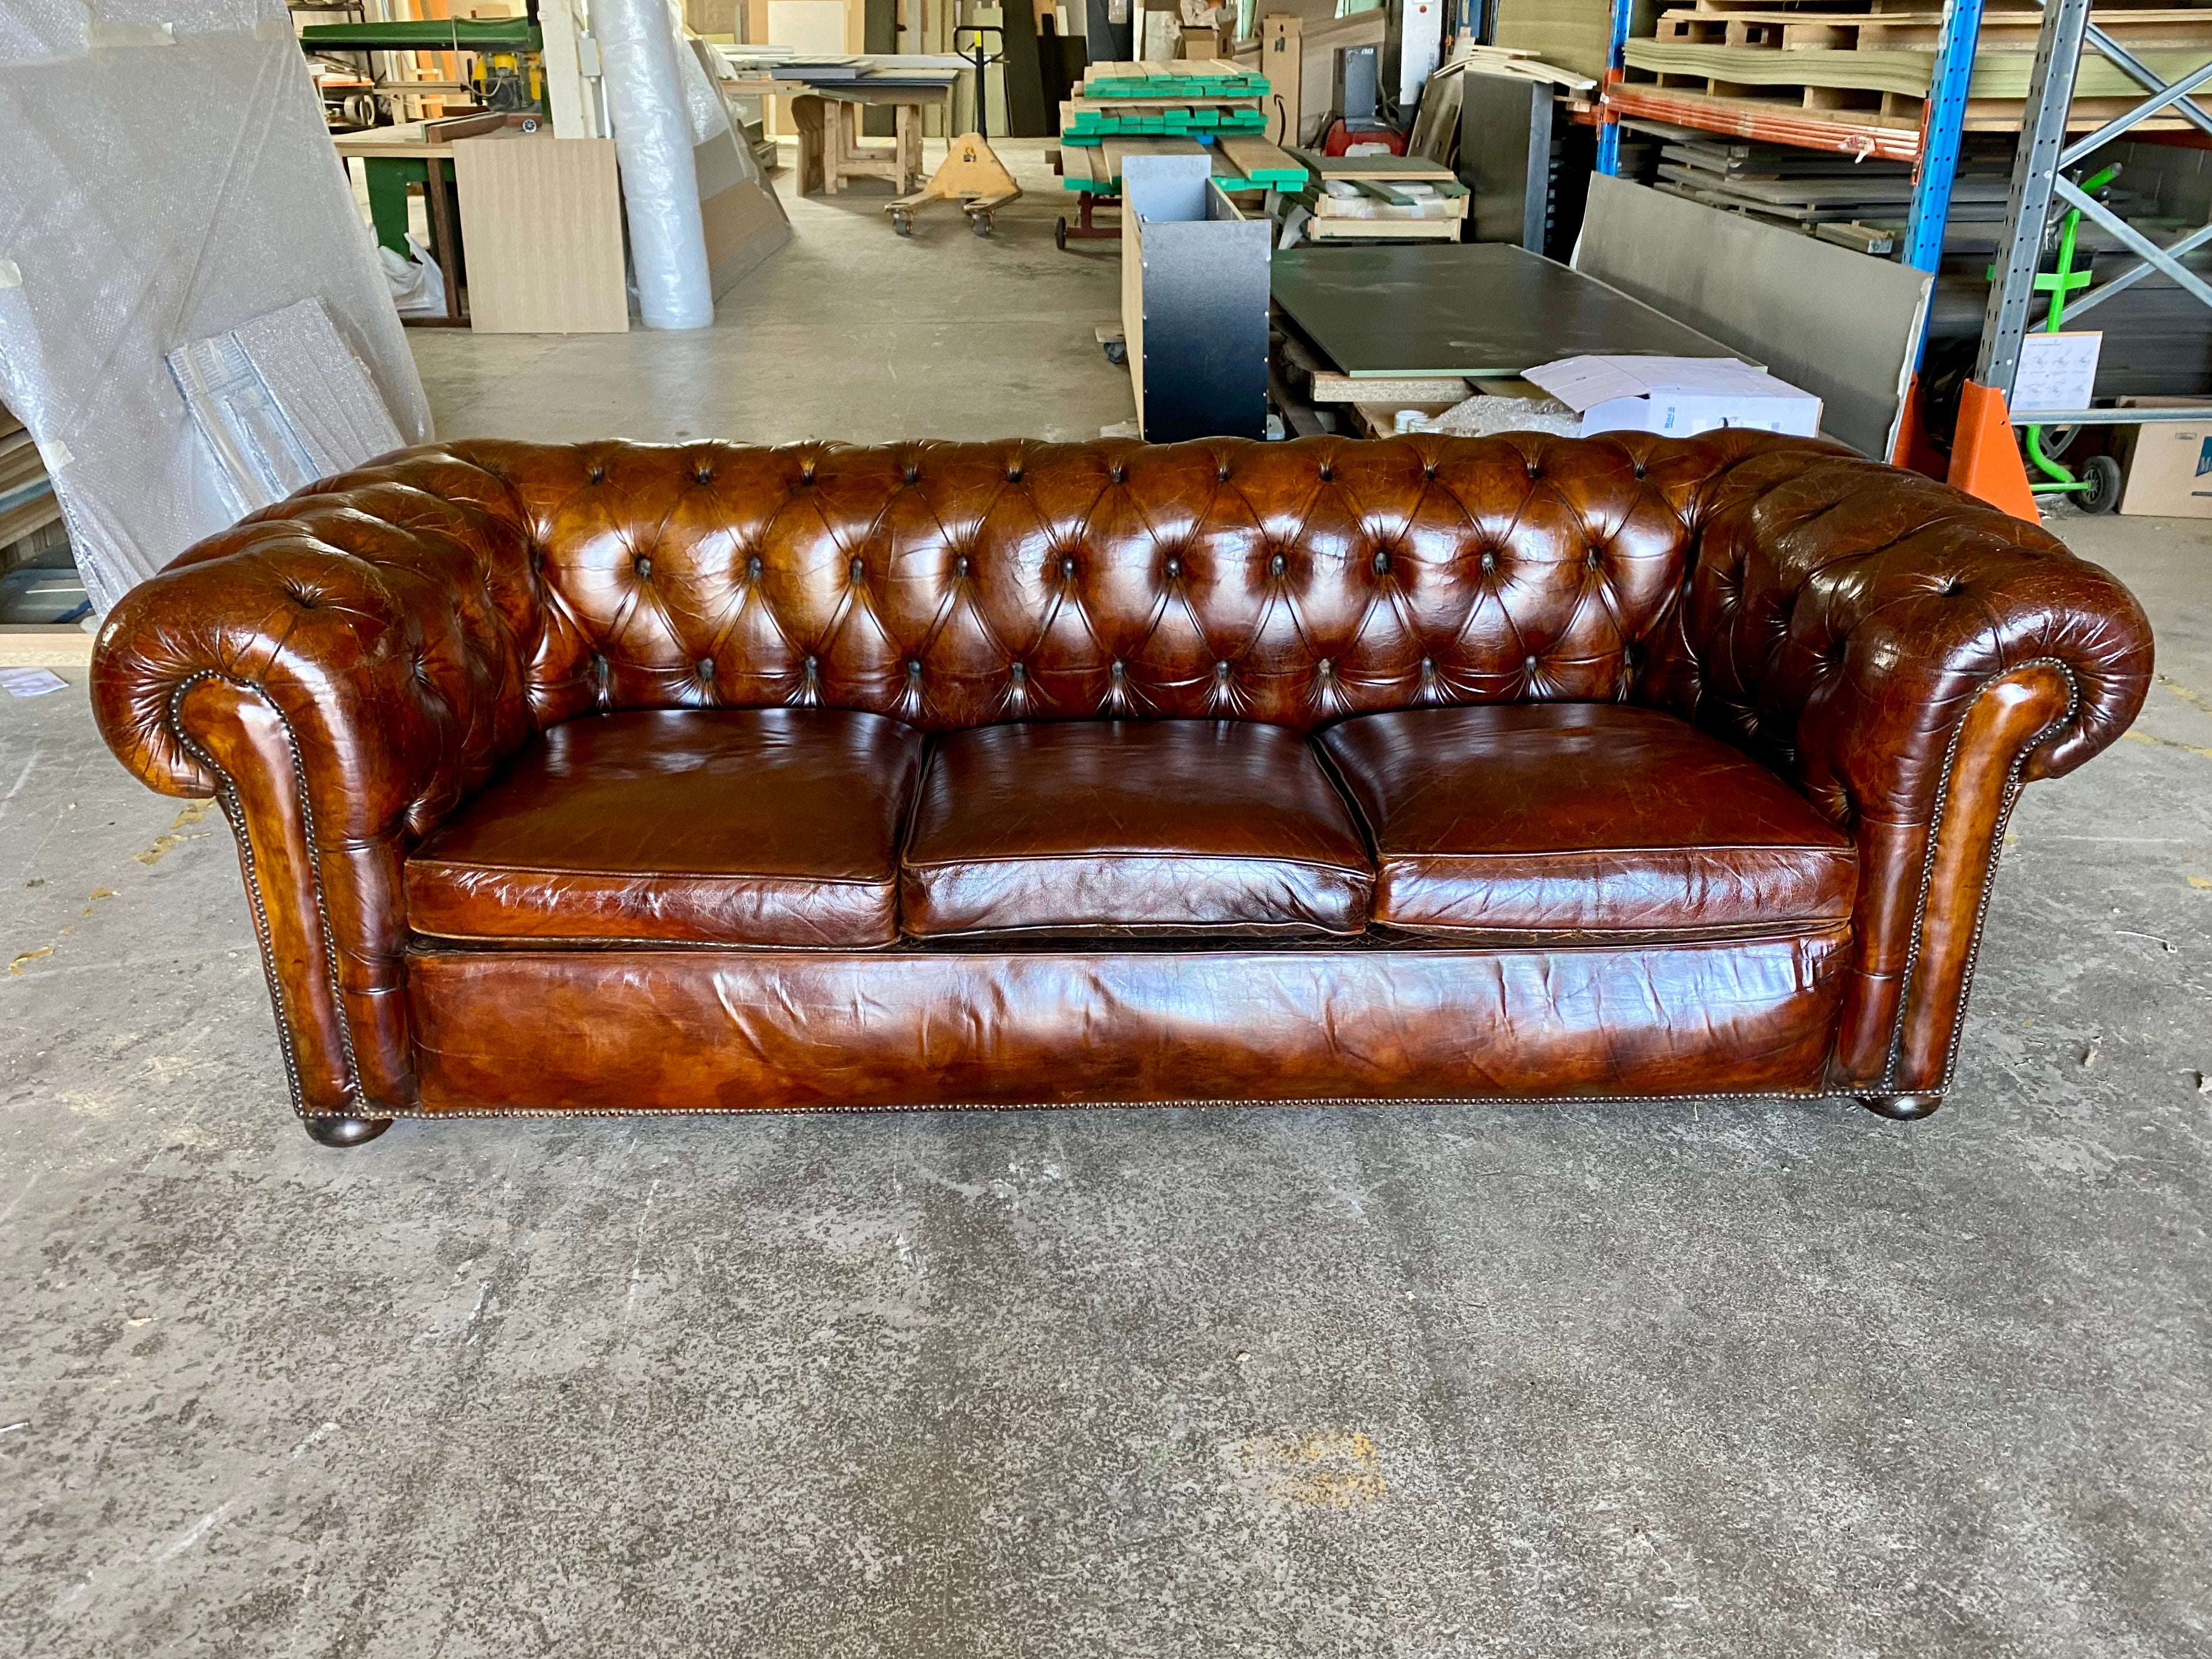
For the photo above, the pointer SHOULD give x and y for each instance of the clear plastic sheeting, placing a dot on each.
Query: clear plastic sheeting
(652, 122)
(166, 177)
(282, 403)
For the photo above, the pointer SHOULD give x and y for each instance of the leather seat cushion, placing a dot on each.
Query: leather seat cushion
(1596, 818)
(772, 827)
(1121, 828)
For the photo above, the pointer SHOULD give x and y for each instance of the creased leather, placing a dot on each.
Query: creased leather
(765, 827)
(736, 1031)
(1574, 818)
(414, 624)
(1197, 828)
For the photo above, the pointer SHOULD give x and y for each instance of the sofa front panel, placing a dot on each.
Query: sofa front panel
(957, 584)
(700, 1030)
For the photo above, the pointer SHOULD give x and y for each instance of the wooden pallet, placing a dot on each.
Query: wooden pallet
(1879, 120)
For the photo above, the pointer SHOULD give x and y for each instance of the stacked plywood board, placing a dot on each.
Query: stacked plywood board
(26, 495)
(1873, 61)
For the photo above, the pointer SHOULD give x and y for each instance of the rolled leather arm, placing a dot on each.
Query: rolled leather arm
(340, 669)
(1910, 657)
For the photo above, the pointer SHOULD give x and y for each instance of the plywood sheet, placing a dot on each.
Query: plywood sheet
(1462, 309)
(542, 221)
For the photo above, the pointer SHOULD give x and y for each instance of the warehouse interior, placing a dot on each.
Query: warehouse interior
(1676, 1355)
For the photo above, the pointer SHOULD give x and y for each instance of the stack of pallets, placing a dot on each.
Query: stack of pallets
(1869, 63)
(1185, 108)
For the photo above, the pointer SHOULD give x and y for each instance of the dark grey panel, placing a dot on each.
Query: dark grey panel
(1504, 155)
(1479, 308)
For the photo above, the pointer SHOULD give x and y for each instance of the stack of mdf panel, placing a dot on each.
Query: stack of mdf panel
(1570, 33)
(27, 506)
(1873, 61)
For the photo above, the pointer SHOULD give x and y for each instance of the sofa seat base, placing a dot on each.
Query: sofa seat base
(725, 1031)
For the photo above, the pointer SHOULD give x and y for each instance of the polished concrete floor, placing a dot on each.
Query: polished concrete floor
(1749, 1380)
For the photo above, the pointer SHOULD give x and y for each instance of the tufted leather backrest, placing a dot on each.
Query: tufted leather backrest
(954, 585)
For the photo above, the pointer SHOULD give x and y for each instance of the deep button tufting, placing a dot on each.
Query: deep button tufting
(1118, 670)
(1175, 565)
(1428, 665)
(1531, 666)
(1221, 474)
(1013, 475)
(1593, 558)
(643, 566)
(706, 668)
(1221, 672)
(1067, 565)
(1327, 472)
(859, 571)
(1428, 470)
(596, 475)
(806, 473)
(1017, 671)
(1114, 473)
(912, 473)
(1277, 565)
(914, 668)
(1381, 562)
(1488, 559)
(753, 567)
(703, 475)
(1324, 668)
(1535, 471)
(1638, 468)
(960, 565)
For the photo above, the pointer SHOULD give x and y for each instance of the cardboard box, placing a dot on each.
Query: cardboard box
(1677, 397)
(2169, 464)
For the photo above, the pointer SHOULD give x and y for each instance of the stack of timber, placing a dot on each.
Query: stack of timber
(1380, 198)
(1179, 108)
(27, 506)
(1864, 67)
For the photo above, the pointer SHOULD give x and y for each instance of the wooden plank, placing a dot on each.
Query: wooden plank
(44, 645)
(542, 221)
(1256, 158)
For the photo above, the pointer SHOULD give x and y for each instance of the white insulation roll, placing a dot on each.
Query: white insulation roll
(652, 142)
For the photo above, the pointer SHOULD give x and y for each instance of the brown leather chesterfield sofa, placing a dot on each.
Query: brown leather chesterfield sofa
(611, 778)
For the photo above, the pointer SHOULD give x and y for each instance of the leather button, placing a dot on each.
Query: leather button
(914, 668)
(1013, 475)
(1174, 567)
(859, 571)
(1221, 671)
(1381, 562)
(960, 565)
(1118, 670)
(806, 473)
(1328, 472)
(1067, 567)
(753, 567)
(643, 566)
(1019, 672)
(912, 472)
(706, 668)
(702, 476)
(1115, 473)
(596, 475)
(1489, 560)
(1428, 665)
(1277, 565)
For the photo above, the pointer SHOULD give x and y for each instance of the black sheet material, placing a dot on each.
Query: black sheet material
(1489, 309)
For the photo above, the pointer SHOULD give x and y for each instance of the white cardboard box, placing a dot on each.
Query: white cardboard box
(1677, 397)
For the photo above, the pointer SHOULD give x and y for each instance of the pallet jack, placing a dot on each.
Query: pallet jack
(971, 174)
